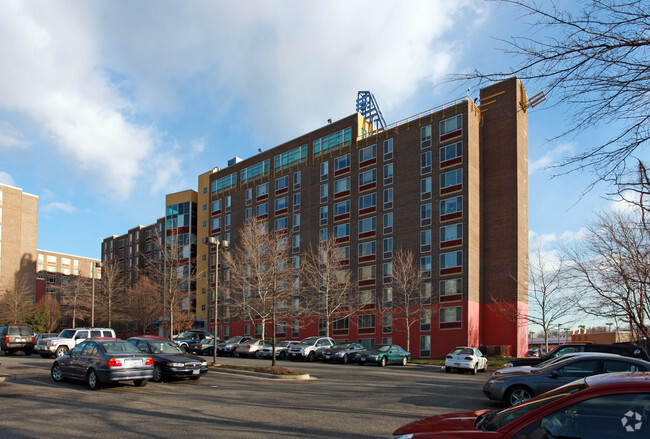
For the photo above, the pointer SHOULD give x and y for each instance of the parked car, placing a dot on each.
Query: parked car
(385, 354)
(514, 388)
(40, 340)
(343, 352)
(14, 338)
(69, 338)
(535, 352)
(307, 348)
(229, 346)
(186, 337)
(170, 362)
(251, 348)
(203, 347)
(281, 349)
(467, 359)
(625, 349)
(603, 406)
(549, 362)
(102, 360)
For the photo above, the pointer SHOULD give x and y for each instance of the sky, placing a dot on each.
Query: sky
(106, 106)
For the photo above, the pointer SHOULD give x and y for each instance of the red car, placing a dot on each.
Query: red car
(615, 405)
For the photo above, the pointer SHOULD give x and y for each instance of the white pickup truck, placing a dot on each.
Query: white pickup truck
(68, 339)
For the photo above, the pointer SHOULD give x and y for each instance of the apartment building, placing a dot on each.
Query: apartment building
(450, 184)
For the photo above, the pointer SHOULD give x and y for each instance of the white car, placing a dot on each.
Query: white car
(466, 358)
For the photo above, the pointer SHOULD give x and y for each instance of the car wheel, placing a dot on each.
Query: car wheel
(518, 394)
(346, 360)
(157, 374)
(311, 356)
(57, 374)
(405, 361)
(447, 369)
(140, 383)
(61, 351)
(283, 356)
(184, 348)
(475, 369)
(383, 362)
(46, 355)
(27, 352)
(93, 380)
(257, 355)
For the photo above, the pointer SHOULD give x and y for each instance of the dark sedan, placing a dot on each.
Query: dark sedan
(603, 406)
(170, 362)
(385, 354)
(514, 388)
(343, 352)
(103, 360)
(203, 347)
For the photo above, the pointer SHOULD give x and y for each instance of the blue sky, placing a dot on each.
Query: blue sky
(106, 106)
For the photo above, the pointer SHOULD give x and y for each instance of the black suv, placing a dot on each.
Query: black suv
(15, 338)
(625, 349)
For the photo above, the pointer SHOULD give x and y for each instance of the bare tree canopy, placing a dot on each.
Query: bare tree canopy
(592, 55)
(145, 304)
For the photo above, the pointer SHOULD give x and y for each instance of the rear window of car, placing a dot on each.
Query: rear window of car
(117, 347)
(107, 334)
(19, 330)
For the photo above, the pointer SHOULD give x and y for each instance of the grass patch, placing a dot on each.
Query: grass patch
(493, 362)
(271, 370)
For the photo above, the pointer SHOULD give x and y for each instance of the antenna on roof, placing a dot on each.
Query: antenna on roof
(367, 106)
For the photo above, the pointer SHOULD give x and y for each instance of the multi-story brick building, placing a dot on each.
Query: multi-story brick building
(450, 184)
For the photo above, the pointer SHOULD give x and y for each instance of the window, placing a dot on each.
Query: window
(451, 208)
(425, 266)
(341, 164)
(342, 209)
(425, 215)
(281, 224)
(367, 203)
(451, 314)
(367, 297)
(388, 223)
(425, 293)
(450, 287)
(295, 244)
(295, 328)
(367, 274)
(367, 226)
(450, 128)
(388, 198)
(296, 222)
(450, 179)
(387, 297)
(367, 250)
(322, 233)
(223, 184)
(290, 158)
(425, 240)
(332, 142)
(343, 254)
(323, 215)
(425, 162)
(323, 193)
(296, 180)
(215, 207)
(248, 213)
(247, 329)
(215, 224)
(262, 190)
(368, 179)
(451, 260)
(366, 321)
(227, 222)
(256, 171)
(367, 155)
(387, 271)
(262, 209)
(425, 136)
(324, 171)
(387, 323)
(281, 204)
(452, 233)
(282, 184)
(341, 231)
(425, 319)
(388, 248)
(425, 345)
(296, 201)
(342, 187)
(388, 149)
(451, 154)
(425, 188)
(340, 324)
(388, 174)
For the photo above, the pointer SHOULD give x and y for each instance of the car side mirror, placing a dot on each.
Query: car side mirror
(554, 374)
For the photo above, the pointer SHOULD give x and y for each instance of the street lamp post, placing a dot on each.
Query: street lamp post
(92, 306)
(223, 244)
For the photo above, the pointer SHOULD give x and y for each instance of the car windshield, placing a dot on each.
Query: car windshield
(120, 347)
(492, 421)
(462, 351)
(164, 347)
(309, 340)
(381, 347)
(67, 333)
(341, 345)
(187, 335)
(234, 340)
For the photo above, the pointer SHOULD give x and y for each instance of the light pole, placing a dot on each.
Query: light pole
(224, 244)
(92, 306)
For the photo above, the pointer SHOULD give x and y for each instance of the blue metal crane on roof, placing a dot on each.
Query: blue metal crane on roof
(367, 106)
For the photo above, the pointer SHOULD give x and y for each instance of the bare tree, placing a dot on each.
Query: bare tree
(54, 316)
(612, 267)
(331, 290)
(262, 277)
(76, 295)
(15, 302)
(595, 60)
(111, 293)
(404, 300)
(145, 304)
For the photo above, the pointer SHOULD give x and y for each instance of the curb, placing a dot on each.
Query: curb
(8, 377)
(300, 377)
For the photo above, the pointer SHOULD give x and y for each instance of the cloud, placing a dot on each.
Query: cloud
(56, 206)
(9, 137)
(550, 157)
(6, 179)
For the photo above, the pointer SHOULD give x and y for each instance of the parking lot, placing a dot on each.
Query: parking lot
(339, 401)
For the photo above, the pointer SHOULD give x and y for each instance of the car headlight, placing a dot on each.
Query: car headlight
(176, 364)
(509, 365)
(204, 363)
